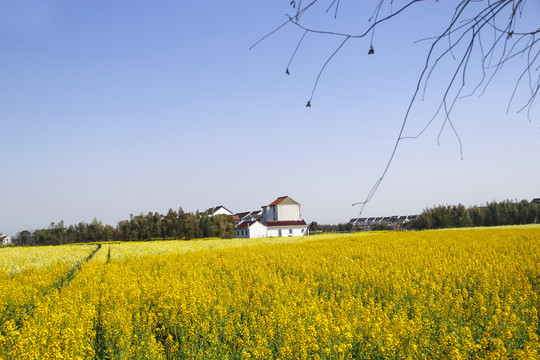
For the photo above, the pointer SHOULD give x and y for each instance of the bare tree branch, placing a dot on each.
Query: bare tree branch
(465, 39)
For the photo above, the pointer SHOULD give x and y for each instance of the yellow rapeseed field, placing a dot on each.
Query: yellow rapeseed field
(122, 250)
(448, 294)
(14, 260)
(28, 274)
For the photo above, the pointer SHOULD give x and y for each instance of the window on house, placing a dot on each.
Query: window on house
(290, 231)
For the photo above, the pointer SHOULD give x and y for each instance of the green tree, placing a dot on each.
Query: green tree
(224, 226)
(22, 238)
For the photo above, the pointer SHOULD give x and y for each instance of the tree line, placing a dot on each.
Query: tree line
(452, 216)
(315, 227)
(330, 228)
(492, 214)
(185, 225)
(152, 226)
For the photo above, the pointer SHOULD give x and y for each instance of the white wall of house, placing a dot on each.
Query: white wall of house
(288, 212)
(286, 231)
(255, 230)
(222, 211)
(281, 212)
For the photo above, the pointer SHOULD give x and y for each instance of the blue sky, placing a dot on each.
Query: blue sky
(115, 108)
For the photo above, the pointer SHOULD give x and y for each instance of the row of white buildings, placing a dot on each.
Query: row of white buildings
(386, 220)
(279, 218)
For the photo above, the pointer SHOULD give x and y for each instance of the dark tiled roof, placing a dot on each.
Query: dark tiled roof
(242, 214)
(214, 209)
(353, 220)
(286, 223)
(245, 224)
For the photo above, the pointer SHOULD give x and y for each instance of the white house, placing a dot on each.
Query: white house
(250, 229)
(279, 218)
(4, 239)
(286, 228)
(281, 209)
(219, 210)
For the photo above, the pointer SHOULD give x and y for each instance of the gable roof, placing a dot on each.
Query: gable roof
(277, 201)
(214, 209)
(286, 223)
(282, 199)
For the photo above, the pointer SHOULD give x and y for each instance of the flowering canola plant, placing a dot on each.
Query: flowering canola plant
(129, 249)
(447, 294)
(14, 260)
(28, 274)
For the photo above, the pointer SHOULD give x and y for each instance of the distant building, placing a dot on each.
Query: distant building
(250, 230)
(4, 239)
(536, 201)
(286, 228)
(279, 218)
(283, 208)
(365, 222)
(219, 210)
(247, 216)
